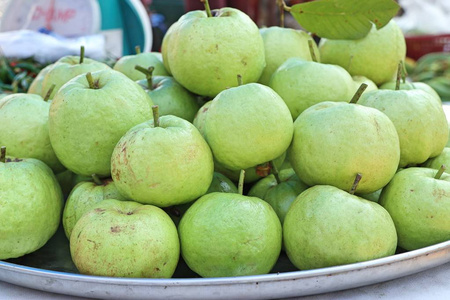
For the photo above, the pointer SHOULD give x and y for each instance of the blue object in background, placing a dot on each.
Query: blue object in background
(131, 18)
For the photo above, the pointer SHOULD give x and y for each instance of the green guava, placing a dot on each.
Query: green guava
(246, 126)
(162, 165)
(85, 123)
(125, 239)
(376, 56)
(326, 227)
(205, 54)
(334, 141)
(31, 204)
(224, 234)
(25, 129)
(85, 195)
(419, 204)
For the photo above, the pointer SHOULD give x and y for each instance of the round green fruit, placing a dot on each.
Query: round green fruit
(246, 126)
(84, 196)
(30, 206)
(25, 128)
(419, 119)
(279, 195)
(303, 83)
(66, 68)
(376, 56)
(334, 141)
(225, 234)
(126, 64)
(163, 165)
(171, 97)
(86, 122)
(326, 227)
(205, 54)
(125, 239)
(282, 43)
(420, 207)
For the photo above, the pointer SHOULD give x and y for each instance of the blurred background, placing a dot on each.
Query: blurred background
(41, 31)
(119, 25)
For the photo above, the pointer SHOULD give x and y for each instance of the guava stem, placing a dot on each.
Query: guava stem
(239, 79)
(355, 183)
(399, 75)
(137, 49)
(311, 50)
(281, 9)
(440, 172)
(155, 110)
(91, 81)
(148, 75)
(274, 171)
(207, 8)
(81, 54)
(358, 93)
(49, 92)
(241, 182)
(96, 179)
(3, 154)
(283, 6)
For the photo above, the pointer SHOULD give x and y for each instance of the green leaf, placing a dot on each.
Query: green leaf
(344, 19)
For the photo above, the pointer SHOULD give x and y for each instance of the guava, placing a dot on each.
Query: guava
(125, 239)
(224, 235)
(326, 227)
(31, 204)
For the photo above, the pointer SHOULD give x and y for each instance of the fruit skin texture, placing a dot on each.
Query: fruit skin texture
(375, 56)
(127, 63)
(419, 206)
(282, 43)
(82, 197)
(333, 141)
(85, 124)
(125, 239)
(206, 54)
(226, 234)
(166, 165)
(419, 119)
(327, 227)
(303, 83)
(25, 128)
(66, 68)
(30, 206)
(246, 126)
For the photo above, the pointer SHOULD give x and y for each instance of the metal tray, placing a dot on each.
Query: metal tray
(51, 269)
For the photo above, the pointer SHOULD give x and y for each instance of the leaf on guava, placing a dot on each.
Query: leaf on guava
(344, 19)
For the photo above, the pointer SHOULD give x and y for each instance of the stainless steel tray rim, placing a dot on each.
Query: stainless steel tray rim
(293, 275)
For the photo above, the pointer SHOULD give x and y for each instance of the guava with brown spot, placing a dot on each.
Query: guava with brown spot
(125, 239)
(163, 165)
(85, 195)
